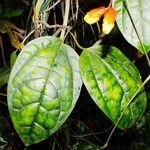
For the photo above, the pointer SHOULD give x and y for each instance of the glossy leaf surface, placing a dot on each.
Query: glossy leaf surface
(134, 22)
(43, 88)
(111, 79)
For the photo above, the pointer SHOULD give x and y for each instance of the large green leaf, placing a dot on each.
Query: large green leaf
(112, 80)
(43, 88)
(134, 22)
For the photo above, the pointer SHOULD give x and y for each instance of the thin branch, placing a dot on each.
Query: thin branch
(57, 32)
(67, 8)
(2, 51)
(128, 104)
(54, 26)
(72, 11)
(55, 19)
(3, 94)
(3, 103)
(77, 9)
(28, 36)
(48, 9)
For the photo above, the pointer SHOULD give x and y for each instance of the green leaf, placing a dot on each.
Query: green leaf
(4, 75)
(134, 22)
(13, 58)
(43, 88)
(10, 13)
(111, 79)
(45, 5)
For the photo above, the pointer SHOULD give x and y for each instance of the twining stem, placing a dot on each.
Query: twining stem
(106, 144)
(83, 48)
(78, 45)
(67, 8)
(53, 146)
(67, 134)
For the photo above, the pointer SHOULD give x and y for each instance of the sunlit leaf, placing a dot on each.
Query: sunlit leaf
(43, 88)
(111, 79)
(134, 22)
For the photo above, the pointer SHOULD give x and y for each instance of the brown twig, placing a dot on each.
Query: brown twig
(2, 51)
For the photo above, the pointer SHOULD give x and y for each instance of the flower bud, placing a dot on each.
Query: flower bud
(94, 15)
(109, 20)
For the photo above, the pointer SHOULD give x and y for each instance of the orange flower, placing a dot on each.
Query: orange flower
(109, 20)
(94, 15)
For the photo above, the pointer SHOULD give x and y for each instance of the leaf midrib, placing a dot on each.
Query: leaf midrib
(111, 70)
(41, 96)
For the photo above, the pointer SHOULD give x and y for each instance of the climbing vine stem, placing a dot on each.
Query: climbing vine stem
(110, 135)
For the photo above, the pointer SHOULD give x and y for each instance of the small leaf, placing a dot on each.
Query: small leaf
(10, 13)
(13, 58)
(45, 4)
(111, 79)
(85, 145)
(4, 75)
(133, 21)
(43, 88)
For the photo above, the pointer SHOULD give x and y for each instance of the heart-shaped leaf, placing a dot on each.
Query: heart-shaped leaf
(43, 88)
(112, 80)
(134, 22)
